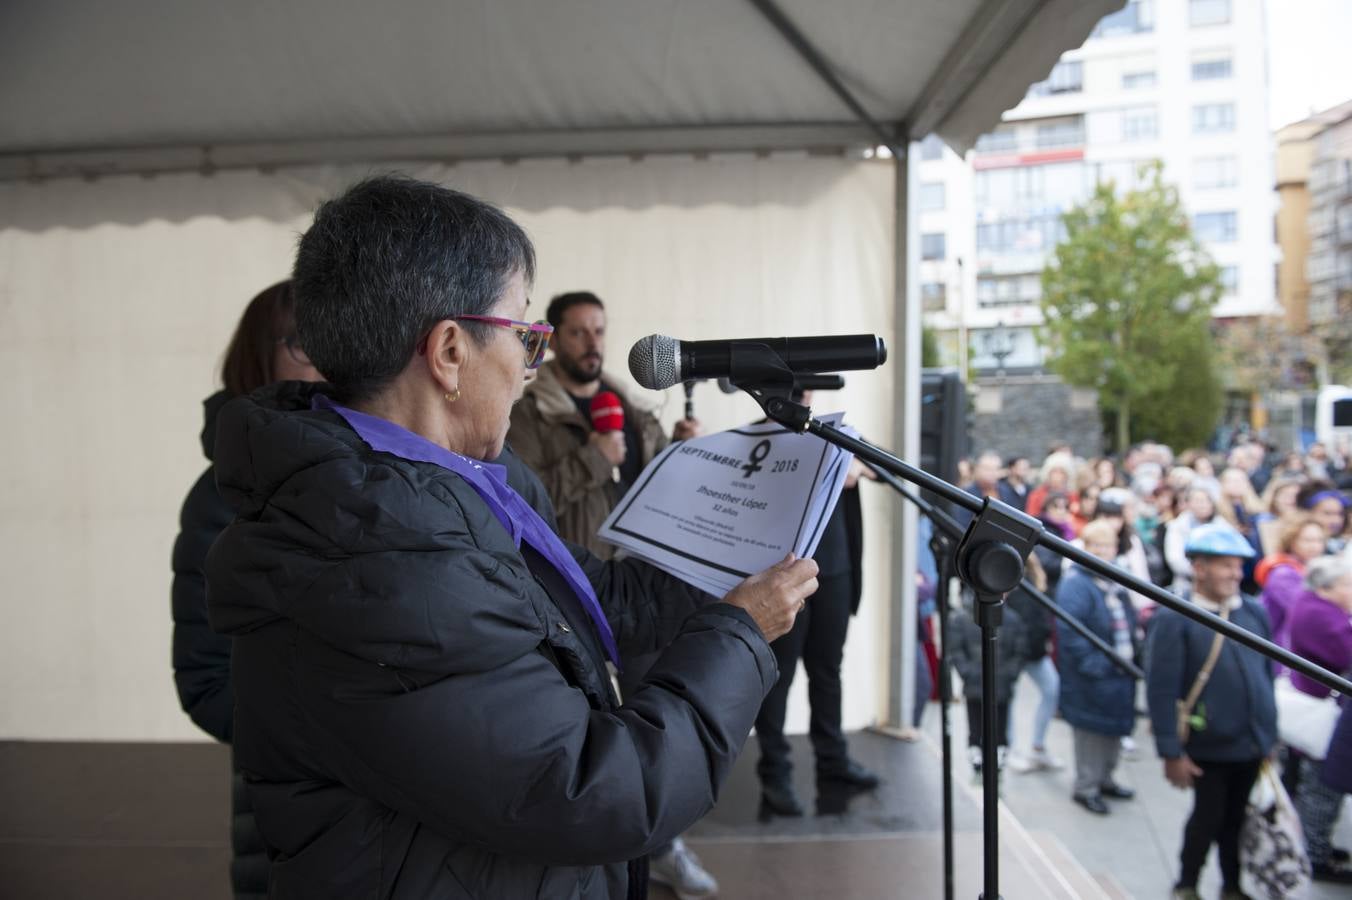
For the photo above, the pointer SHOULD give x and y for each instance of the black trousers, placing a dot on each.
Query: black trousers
(1220, 795)
(818, 638)
(975, 709)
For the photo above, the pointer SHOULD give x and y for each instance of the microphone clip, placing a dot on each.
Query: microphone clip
(759, 371)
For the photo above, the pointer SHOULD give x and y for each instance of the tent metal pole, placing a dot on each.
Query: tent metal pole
(906, 435)
(814, 58)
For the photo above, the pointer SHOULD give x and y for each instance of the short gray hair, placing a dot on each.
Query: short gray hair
(385, 262)
(1323, 572)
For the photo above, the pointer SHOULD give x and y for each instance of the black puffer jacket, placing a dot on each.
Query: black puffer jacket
(202, 658)
(964, 638)
(423, 709)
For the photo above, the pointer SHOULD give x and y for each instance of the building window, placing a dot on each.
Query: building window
(1136, 17)
(1140, 124)
(1208, 12)
(994, 291)
(933, 296)
(1212, 172)
(1125, 174)
(1066, 77)
(1213, 118)
(931, 196)
(1343, 224)
(931, 148)
(933, 246)
(1216, 227)
(1034, 235)
(1135, 81)
(1061, 133)
(1229, 279)
(1034, 189)
(1001, 140)
(1212, 67)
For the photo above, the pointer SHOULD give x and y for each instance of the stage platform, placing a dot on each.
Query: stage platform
(150, 821)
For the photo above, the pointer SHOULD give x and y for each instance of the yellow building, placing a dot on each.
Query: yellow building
(1312, 145)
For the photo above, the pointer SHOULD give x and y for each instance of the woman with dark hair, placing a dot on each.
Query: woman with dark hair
(1328, 506)
(264, 349)
(1084, 507)
(1055, 517)
(422, 701)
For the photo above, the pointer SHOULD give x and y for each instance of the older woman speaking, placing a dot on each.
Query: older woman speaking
(423, 705)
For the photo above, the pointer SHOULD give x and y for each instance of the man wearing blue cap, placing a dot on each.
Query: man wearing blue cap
(1211, 705)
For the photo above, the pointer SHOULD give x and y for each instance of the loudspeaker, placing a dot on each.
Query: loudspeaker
(945, 432)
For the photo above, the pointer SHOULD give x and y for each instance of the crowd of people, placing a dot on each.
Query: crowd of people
(1256, 537)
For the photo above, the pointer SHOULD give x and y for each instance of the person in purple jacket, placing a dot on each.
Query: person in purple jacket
(1320, 625)
(1282, 574)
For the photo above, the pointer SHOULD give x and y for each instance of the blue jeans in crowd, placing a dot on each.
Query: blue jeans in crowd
(1048, 681)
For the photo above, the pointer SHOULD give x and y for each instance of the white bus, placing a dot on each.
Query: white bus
(1333, 415)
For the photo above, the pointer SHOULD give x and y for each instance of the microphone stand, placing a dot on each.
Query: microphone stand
(989, 559)
(943, 540)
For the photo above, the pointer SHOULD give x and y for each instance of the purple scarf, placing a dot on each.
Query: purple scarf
(489, 481)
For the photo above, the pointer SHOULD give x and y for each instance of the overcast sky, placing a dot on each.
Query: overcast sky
(1309, 57)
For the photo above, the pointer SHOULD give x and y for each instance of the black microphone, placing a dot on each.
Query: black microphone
(690, 399)
(657, 362)
(802, 382)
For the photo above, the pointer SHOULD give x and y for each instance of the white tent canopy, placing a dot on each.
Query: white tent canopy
(161, 85)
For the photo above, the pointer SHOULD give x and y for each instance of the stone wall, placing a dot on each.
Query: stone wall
(1022, 415)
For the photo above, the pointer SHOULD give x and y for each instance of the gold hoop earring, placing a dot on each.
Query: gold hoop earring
(453, 395)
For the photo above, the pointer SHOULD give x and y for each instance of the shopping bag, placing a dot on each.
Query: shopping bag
(1304, 723)
(1272, 845)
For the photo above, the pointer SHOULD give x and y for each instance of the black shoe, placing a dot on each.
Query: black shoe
(1332, 871)
(1115, 791)
(1092, 802)
(1339, 855)
(778, 797)
(852, 774)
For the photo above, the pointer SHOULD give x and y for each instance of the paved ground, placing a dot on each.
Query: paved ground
(1135, 849)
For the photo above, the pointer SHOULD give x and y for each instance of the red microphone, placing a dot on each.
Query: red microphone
(607, 415)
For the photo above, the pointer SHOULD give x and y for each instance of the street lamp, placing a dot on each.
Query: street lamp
(999, 343)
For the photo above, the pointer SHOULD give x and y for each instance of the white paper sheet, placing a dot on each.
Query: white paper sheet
(719, 508)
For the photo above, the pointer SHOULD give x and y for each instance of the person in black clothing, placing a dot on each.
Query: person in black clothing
(1014, 486)
(964, 637)
(818, 639)
(986, 482)
(422, 701)
(263, 350)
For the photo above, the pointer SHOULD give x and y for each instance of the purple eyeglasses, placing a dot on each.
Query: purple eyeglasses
(534, 335)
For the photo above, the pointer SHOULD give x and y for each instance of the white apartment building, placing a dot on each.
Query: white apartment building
(1181, 81)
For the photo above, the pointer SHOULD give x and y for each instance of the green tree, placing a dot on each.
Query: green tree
(1126, 301)
(1184, 412)
(929, 349)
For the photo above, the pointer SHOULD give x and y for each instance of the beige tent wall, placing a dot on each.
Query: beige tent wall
(117, 298)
